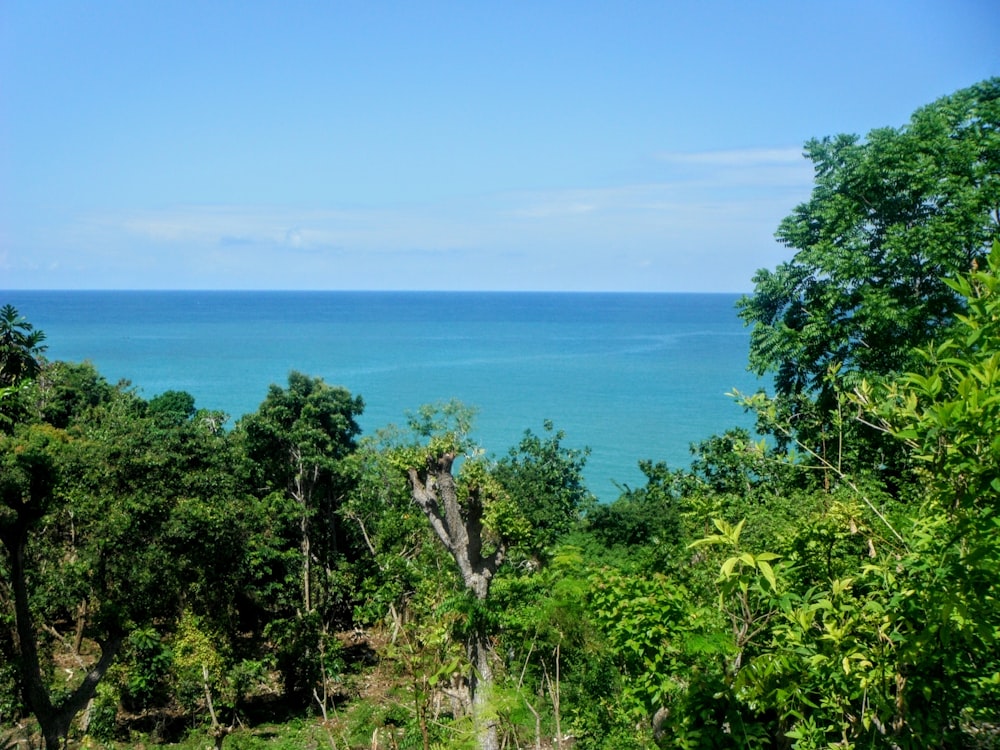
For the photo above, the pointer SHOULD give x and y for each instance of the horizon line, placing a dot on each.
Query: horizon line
(253, 290)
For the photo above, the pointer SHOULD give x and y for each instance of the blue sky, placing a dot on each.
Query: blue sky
(637, 146)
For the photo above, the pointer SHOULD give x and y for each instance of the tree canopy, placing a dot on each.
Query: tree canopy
(837, 588)
(890, 219)
(20, 347)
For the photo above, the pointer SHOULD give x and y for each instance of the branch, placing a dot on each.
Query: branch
(368, 541)
(85, 691)
(844, 478)
(424, 495)
(208, 696)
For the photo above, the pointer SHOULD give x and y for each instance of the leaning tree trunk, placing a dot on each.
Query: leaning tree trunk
(54, 719)
(433, 489)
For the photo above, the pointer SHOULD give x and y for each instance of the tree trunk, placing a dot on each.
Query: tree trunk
(306, 569)
(54, 719)
(81, 621)
(460, 531)
(481, 688)
(301, 491)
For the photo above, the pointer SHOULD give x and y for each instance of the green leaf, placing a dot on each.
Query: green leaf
(768, 573)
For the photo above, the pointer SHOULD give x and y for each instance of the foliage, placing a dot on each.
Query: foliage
(150, 661)
(470, 510)
(65, 392)
(833, 586)
(398, 574)
(206, 674)
(437, 429)
(109, 520)
(476, 521)
(890, 218)
(300, 431)
(642, 515)
(946, 414)
(21, 347)
(897, 644)
(21, 352)
(171, 407)
(546, 481)
(641, 618)
(299, 447)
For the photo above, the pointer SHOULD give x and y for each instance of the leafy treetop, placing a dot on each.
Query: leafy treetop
(889, 219)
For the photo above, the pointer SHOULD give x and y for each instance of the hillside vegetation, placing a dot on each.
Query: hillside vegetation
(289, 582)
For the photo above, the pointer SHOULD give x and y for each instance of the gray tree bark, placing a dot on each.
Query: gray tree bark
(461, 532)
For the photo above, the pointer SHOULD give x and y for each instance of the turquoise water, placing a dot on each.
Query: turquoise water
(632, 376)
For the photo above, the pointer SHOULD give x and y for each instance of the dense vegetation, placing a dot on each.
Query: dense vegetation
(291, 583)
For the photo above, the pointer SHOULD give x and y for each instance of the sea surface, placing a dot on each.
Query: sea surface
(631, 376)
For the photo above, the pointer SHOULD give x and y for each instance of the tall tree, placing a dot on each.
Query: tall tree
(27, 494)
(106, 527)
(20, 347)
(21, 353)
(889, 218)
(111, 516)
(299, 439)
(475, 520)
(299, 443)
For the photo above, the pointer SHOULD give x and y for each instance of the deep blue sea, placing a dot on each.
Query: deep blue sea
(632, 376)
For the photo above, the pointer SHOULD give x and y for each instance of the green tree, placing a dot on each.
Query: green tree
(643, 517)
(300, 445)
(109, 522)
(949, 417)
(546, 479)
(298, 442)
(396, 579)
(27, 495)
(21, 352)
(890, 218)
(20, 347)
(172, 407)
(475, 520)
(882, 628)
(64, 392)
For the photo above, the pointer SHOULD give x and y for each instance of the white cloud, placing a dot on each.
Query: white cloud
(753, 168)
(749, 157)
(227, 225)
(708, 193)
(564, 204)
(692, 189)
(707, 210)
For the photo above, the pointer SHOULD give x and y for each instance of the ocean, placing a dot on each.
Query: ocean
(631, 376)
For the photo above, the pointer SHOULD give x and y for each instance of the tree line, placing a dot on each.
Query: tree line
(829, 582)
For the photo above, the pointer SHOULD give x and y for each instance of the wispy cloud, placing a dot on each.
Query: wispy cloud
(690, 187)
(287, 230)
(561, 204)
(732, 170)
(223, 224)
(698, 210)
(750, 157)
(693, 191)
